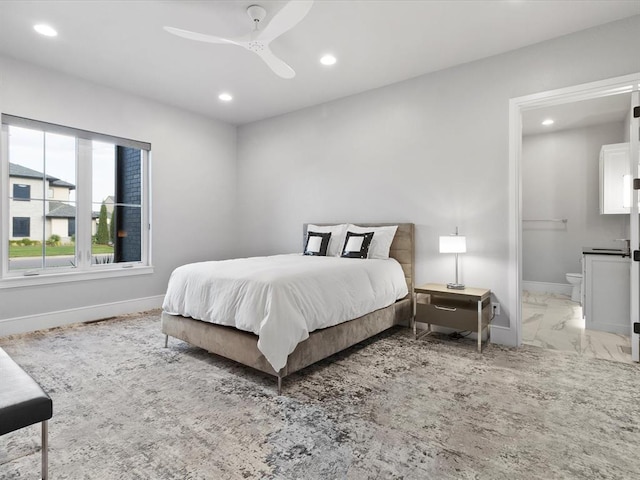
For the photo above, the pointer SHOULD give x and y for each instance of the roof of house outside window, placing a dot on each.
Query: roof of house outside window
(64, 210)
(16, 170)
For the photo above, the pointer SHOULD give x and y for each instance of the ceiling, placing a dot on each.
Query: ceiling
(122, 44)
(585, 113)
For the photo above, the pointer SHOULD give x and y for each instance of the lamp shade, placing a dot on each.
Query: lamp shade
(453, 244)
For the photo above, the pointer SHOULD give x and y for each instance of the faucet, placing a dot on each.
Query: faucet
(627, 245)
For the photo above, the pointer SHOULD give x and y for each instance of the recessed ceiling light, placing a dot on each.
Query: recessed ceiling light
(225, 97)
(547, 122)
(46, 30)
(328, 59)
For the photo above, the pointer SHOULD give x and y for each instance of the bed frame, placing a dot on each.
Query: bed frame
(242, 346)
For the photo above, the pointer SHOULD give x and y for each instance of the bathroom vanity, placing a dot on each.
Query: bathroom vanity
(606, 290)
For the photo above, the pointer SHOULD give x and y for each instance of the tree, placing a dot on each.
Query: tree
(112, 226)
(102, 236)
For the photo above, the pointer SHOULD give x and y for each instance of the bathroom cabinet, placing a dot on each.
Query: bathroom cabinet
(606, 292)
(615, 179)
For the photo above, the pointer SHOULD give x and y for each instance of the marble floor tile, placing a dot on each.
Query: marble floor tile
(567, 340)
(555, 322)
(609, 346)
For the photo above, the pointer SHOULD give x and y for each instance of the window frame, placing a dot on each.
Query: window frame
(83, 269)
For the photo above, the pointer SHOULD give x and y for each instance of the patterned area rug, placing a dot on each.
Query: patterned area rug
(390, 408)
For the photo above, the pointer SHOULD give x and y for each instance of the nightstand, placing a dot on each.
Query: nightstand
(467, 309)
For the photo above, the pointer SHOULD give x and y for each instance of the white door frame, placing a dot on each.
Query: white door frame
(517, 106)
(634, 224)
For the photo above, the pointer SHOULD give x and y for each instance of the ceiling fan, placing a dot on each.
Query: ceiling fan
(258, 41)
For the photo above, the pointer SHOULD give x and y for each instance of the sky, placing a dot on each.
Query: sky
(54, 154)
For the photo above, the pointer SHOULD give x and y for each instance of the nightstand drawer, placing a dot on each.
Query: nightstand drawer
(459, 317)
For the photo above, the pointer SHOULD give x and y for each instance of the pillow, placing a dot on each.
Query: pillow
(356, 245)
(382, 239)
(337, 236)
(317, 243)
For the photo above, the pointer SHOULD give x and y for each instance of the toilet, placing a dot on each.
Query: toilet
(575, 279)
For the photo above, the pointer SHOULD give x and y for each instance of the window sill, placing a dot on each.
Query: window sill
(65, 277)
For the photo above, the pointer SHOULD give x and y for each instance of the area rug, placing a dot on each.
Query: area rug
(392, 407)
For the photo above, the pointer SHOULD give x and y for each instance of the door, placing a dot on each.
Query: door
(634, 159)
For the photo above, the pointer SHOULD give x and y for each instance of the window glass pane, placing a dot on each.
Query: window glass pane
(42, 176)
(116, 210)
(102, 235)
(103, 192)
(60, 167)
(26, 163)
(24, 253)
(128, 238)
(60, 244)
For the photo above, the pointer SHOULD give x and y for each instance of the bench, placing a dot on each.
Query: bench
(23, 403)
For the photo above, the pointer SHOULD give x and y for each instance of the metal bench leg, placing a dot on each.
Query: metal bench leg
(45, 450)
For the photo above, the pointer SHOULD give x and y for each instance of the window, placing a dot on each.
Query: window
(21, 192)
(21, 227)
(88, 202)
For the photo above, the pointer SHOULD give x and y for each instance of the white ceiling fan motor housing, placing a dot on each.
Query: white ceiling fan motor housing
(256, 13)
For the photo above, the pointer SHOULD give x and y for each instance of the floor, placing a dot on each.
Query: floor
(553, 321)
(127, 408)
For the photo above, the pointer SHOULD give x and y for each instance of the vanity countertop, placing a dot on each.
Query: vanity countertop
(603, 251)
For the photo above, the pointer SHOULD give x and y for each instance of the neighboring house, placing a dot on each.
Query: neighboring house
(109, 202)
(33, 193)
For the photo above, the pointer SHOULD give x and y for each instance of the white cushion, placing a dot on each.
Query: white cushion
(314, 243)
(338, 234)
(354, 244)
(382, 239)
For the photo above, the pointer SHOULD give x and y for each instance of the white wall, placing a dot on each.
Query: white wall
(193, 183)
(560, 179)
(432, 150)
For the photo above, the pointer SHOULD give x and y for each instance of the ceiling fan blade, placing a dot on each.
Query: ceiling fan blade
(279, 67)
(201, 37)
(288, 17)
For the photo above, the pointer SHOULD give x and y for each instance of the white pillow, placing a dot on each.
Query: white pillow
(338, 234)
(382, 239)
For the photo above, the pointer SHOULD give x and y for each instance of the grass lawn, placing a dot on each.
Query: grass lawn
(18, 251)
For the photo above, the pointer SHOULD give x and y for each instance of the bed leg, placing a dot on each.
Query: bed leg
(279, 384)
(166, 341)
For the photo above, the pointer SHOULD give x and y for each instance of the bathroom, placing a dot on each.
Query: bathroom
(561, 218)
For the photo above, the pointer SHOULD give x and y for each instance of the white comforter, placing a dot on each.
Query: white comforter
(282, 298)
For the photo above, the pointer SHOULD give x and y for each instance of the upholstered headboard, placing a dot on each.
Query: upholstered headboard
(402, 247)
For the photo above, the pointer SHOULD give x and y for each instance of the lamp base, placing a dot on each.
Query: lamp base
(456, 286)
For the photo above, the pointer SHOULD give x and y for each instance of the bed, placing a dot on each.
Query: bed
(243, 346)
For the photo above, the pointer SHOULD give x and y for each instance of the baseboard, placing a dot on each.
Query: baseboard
(610, 327)
(503, 336)
(547, 287)
(499, 335)
(30, 323)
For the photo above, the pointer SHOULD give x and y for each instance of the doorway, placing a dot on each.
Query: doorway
(558, 212)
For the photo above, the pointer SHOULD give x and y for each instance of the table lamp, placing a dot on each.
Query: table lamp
(454, 244)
